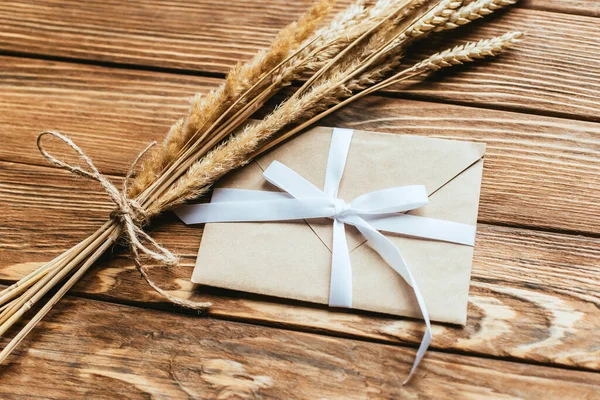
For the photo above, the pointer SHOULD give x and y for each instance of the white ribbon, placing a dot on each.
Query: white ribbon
(369, 213)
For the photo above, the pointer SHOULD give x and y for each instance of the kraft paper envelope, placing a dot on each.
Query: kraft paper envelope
(293, 259)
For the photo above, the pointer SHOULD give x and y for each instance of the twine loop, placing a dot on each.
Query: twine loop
(130, 215)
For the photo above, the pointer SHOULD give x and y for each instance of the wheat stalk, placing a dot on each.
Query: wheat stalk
(390, 29)
(200, 148)
(377, 23)
(346, 20)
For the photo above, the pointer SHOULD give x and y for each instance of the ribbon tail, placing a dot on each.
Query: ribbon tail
(340, 288)
(392, 256)
(426, 341)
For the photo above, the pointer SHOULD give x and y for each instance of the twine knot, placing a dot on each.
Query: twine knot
(133, 209)
(128, 213)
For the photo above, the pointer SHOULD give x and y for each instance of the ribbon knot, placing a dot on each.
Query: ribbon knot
(129, 214)
(342, 209)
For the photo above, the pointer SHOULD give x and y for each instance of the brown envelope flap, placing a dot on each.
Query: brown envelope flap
(375, 161)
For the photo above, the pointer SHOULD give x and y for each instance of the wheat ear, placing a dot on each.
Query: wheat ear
(435, 17)
(466, 53)
(472, 11)
(340, 31)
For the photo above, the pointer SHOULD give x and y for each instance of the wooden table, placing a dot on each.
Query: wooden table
(115, 74)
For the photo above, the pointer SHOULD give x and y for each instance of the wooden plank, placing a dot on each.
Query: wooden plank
(89, 349)
(211, 37)
(582, 7)
(539, 171)
(534, 295)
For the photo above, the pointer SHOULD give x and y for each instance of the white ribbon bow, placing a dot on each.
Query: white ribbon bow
(369, 213)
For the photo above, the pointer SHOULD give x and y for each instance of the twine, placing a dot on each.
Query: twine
(128, 214)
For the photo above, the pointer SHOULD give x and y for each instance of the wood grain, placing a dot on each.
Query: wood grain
(89, 349)
(582, 7)
(211, 37)
(112, 113)
(534, 296)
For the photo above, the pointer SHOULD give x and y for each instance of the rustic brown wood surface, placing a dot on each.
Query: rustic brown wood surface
(115, 74)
